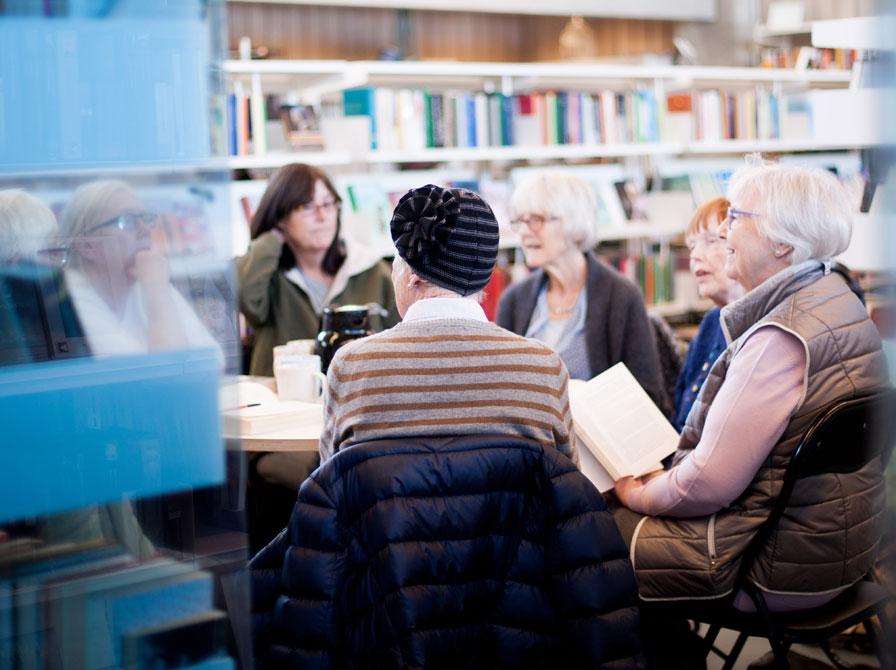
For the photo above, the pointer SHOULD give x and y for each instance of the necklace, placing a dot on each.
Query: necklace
(559, 311)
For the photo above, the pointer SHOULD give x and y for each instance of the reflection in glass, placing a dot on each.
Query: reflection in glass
(119, 277)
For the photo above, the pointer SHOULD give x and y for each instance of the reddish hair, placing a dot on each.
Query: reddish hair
(708, 215)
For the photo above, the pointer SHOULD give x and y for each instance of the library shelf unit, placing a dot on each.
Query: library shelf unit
(310, 81)
(313, 82)
(397, 73)
(274, 160)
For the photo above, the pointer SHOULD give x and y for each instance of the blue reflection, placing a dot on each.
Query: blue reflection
(91, 431)
(120, 91)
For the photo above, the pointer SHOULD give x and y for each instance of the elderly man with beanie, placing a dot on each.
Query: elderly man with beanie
(446, 526)
(445, 370)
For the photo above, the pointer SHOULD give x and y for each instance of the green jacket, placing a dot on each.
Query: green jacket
(279, 310)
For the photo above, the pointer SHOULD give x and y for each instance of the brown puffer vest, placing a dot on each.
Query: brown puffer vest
(829, 534)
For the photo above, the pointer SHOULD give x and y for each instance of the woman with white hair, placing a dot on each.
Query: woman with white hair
(26, 225)
(119, 280)
(799, 340)
(585, 310)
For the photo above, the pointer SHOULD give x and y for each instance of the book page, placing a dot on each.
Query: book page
(618, 422)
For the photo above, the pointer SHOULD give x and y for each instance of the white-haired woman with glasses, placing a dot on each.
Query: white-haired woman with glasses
(798, 340)
(298, 263)
(585, 310)
(119, 281)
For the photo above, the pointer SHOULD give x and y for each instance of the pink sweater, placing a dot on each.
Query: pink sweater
(762, 389)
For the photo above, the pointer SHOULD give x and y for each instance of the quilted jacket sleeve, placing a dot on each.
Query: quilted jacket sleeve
(303, 622)
(594, 589)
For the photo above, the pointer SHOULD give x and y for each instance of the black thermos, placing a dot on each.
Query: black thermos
(338, 326)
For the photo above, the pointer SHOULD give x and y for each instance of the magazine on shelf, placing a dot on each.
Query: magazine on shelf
(620, 431)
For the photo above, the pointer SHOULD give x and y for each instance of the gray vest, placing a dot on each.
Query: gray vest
(829, 535)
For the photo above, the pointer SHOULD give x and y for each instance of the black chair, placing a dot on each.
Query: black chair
(841, 439)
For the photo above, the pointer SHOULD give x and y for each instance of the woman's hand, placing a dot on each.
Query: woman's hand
(625, 487)
(150, 269)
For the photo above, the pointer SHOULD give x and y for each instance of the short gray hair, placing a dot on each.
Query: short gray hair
(88, 203)
(805, 208)
(563, 195)
(25, 224)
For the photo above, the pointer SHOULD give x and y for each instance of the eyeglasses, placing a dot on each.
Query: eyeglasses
(312, 208)
(55, 256)
(128, 221)
(732, 214)
(534, 222)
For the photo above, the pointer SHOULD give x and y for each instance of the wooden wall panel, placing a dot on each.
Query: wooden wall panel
(310, 31)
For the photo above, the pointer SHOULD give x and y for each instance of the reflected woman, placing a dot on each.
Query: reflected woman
(119, 280)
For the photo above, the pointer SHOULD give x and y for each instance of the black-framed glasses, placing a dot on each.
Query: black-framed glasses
(325, 207)
(128, 221)
(534, 222)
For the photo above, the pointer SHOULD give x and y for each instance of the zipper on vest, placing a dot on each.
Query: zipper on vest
(711, 539)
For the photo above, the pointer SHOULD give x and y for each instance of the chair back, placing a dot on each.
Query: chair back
(841, 439)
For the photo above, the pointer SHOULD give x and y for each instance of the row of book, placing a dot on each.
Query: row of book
(93, 605)
(653, 273)
(810, 58)
(409, 119)
(415, 119)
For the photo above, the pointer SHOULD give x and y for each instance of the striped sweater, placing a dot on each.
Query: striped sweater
(446, 377)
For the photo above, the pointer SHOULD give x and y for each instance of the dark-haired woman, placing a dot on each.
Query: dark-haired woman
(297, 263)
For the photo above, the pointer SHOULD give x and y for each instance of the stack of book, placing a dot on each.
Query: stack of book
(75, 604)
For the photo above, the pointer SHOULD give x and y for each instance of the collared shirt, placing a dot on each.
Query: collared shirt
(445, 308)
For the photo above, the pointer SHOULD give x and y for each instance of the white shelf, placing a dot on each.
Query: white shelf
(277, 159)
(861, 32)
(763, 32)
(532, 153)
(523, 75)
(633, 231)
(681, 10)
(523, 152)
(769, 146)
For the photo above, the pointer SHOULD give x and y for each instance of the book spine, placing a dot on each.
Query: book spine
(473, 132)
(507, 136)
(562, 117)
(232, 141)
(436, 119)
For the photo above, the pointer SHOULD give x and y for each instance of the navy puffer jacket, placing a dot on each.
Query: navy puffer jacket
(470, 552)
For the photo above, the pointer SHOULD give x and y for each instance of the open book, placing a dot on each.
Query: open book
(620, 431)
(248, 408)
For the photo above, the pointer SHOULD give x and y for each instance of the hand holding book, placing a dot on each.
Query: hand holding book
(622, 430)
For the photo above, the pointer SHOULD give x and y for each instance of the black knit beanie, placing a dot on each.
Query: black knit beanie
(448, 236)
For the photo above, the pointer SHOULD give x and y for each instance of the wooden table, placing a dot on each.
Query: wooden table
(302, 435)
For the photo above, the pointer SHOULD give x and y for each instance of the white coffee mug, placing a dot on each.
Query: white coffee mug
(300, 346)
(299, 377)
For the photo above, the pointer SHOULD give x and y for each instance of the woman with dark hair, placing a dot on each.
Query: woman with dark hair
(298, 262)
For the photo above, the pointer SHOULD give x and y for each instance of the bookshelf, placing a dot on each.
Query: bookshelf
(708, 89)
(727, 110)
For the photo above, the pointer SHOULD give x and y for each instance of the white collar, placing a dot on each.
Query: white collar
(445, 308)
